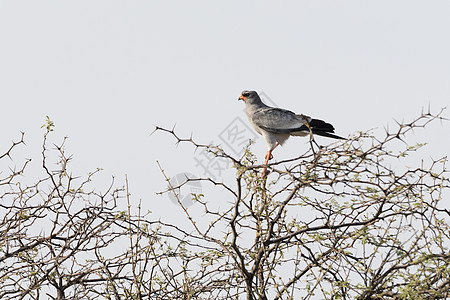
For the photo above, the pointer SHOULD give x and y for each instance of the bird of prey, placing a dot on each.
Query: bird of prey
(276, 125)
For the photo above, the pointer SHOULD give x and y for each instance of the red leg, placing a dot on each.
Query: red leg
(268, 157)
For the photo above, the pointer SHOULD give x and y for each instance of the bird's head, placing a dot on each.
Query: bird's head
(249, 97)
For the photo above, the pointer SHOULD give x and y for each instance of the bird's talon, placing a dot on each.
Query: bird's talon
(264, 173)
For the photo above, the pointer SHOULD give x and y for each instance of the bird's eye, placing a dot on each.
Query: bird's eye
(245, 94)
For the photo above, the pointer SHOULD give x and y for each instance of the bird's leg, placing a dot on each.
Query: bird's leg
(268, 157)
(264, 171)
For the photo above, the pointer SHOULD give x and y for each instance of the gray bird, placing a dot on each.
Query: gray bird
(276, 125)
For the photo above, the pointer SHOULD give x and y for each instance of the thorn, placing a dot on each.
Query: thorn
(154, 130)
(398, 137)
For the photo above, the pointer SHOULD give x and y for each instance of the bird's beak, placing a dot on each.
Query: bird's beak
(242, 98)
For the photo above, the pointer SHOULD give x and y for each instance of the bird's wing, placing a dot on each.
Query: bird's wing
(277, 120)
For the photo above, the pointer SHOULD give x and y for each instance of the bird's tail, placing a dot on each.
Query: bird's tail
(323, 128)
(327, 134)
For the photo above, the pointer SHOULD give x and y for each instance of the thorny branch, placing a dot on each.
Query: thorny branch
(61, 239)
(338, 222)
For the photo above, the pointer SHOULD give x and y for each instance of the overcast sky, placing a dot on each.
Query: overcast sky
(106, 72)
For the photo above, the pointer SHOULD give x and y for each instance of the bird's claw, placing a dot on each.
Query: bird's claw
(268, 156)
(264, 173)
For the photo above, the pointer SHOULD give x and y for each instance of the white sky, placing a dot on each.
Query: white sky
(106, 72)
